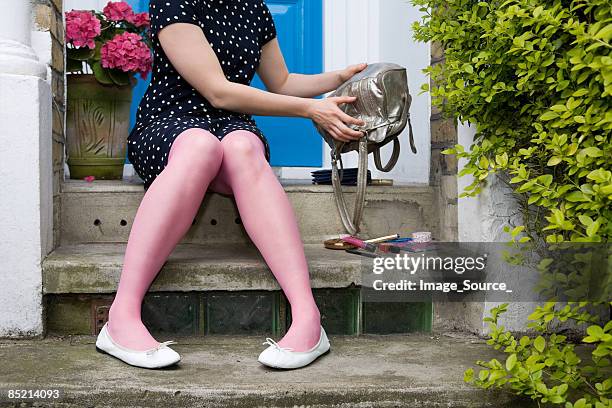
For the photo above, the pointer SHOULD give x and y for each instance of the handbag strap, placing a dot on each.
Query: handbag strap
(411, 135)
(396, 152)
(392, 160)
(351, 223)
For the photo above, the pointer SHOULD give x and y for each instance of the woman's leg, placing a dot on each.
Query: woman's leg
(164, 216)
(269, 219)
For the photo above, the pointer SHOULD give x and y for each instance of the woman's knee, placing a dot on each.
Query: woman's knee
(197, 148)
(243, 148)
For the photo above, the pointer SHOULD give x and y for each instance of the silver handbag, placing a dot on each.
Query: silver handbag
(383, 103)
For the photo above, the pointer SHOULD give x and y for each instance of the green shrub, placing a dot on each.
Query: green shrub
(547, 368)
(536, 79)
(536, 76)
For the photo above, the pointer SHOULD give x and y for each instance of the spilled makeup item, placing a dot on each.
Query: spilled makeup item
(387, 238)
(341, 244)
(338, 244)
(359, 243)
(424, 236)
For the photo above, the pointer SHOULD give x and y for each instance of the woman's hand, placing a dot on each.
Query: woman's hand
(351, 70)
(327, 114)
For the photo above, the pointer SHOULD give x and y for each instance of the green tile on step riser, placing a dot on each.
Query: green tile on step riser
(170, 314)
(242, 312)
(339, 310)
(399, 317)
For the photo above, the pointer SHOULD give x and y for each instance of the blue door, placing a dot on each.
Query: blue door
(294, 142)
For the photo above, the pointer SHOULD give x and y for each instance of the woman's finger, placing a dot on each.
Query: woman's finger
(339, 100)
(348, 132)
(350, 119)
(336, 134)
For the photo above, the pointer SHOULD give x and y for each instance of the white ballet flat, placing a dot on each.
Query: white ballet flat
(158, 357)
(276, 356)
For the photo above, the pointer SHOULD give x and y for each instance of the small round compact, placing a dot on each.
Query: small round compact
(338, 244)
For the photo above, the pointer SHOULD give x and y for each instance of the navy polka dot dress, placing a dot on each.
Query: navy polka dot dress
(236, 30)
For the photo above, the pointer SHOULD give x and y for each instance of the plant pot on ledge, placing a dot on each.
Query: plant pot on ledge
(97, 125)
(104, 52)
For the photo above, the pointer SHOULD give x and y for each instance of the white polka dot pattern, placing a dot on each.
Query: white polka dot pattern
(236, 30)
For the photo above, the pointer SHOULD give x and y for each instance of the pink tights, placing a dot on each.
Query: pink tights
(236, 165)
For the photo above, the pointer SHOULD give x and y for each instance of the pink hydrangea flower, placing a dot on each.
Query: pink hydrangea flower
(140, 20)
(82, 27)
(118, 11)
(128, 53)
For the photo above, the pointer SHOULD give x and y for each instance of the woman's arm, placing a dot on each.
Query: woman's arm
(192, 56)
(275, 75)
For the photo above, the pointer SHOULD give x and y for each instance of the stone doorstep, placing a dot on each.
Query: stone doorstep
(222, 371)
(134, 185)
(103, 211)
(96, 268)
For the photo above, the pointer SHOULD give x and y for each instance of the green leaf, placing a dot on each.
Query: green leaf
(576, 196)
(516, 231)
(541, 387)
(554, 161)
(595, 334)
(605, 33)
(592, 152)
(101, 74)
(511, 362)
(120, 78)
(79, 54)
(550, 115)
(585, 220)
(593, 229)
(73, 65)
(599, 175)
(581, 403)
(546, 179)
(539, 343)
(468, 375)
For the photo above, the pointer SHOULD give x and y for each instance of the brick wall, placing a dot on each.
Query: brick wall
(48, 16)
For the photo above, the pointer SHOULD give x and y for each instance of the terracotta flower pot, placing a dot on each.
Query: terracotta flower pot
(97, 126)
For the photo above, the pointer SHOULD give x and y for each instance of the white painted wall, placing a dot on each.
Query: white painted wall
(26, 202)
(85, 4)
(482, 219)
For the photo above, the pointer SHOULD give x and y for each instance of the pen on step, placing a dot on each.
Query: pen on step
(382, 239)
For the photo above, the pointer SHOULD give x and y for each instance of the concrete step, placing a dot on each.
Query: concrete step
(96, 268)
(222, 371)
(213, 289)
(103, 211)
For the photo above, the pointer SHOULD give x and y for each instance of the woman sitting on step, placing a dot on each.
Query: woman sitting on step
(194, 133)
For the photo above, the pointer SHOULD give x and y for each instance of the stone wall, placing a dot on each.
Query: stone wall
(462, 316)
(48, 17)
(443, 168)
